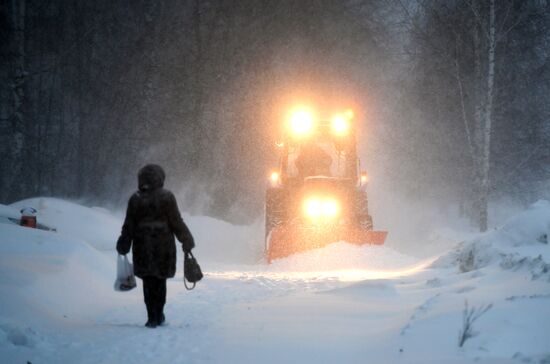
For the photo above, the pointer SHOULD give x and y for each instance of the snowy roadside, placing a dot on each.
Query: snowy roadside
(367, 305)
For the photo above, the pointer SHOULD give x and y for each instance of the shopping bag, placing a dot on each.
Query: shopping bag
(125, 279)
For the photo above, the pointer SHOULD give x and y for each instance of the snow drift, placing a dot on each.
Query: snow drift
(521, 242)
(217, 240)
(95, 225)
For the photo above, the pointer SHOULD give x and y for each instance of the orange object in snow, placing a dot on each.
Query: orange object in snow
(28, 217)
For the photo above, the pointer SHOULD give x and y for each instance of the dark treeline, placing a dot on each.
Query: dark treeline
(453, 95)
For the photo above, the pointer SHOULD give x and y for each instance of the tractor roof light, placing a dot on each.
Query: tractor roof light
(301, 122)
(341, 125)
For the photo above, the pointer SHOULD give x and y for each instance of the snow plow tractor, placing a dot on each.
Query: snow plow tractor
(318, 195)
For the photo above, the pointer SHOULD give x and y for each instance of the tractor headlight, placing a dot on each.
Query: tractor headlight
(330, 208)
(301, 122)
(315, 208)
(312, 207)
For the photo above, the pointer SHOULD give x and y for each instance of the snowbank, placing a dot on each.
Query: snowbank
(521, 242)
(9, 212)
(217, 240)
(95, 225)
(49, 272)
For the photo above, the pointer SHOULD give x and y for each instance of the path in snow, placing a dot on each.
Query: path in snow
(222, 320)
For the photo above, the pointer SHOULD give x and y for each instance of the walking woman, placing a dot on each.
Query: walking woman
(152, 220)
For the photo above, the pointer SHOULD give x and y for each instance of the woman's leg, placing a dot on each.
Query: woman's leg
(149, 296)
(160, 299)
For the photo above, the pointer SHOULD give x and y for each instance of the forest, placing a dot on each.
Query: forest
(452, 96)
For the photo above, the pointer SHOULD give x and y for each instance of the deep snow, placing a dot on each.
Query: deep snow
(344, 303)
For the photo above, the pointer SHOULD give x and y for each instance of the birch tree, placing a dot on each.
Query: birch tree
(464, 38)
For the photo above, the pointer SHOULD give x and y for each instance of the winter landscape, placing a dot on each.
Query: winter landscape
(361, 181)
(368, 304)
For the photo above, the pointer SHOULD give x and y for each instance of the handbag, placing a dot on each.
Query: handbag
(191, 271)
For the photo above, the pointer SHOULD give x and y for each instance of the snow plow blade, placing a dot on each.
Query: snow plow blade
(284, 242)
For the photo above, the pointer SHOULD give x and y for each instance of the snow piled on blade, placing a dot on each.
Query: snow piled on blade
(344, 256)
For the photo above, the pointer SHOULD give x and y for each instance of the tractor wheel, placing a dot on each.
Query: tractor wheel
(275, 210)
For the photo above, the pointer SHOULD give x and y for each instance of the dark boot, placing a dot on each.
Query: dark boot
(161, 319)
(159, 313)
(152, 320)
(151, 323)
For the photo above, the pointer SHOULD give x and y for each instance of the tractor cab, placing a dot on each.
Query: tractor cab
(322, 148)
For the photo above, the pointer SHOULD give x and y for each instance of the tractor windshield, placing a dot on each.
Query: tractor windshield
(316, 158)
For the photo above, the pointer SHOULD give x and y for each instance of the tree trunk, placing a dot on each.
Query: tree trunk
(477, 116)
(18, 91)
(81, 155)
(488, 119)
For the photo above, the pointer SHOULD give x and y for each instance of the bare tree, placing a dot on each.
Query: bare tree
(464, 38)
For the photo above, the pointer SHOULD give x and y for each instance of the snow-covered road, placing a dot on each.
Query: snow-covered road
(370, 304)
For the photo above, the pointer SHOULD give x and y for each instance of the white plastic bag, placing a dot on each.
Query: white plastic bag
(125, 279)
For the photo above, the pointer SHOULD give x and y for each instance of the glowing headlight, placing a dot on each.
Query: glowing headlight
(364, 178)
(316, 208)
(301, 122)
(330, 208)
(340, 125)
(313, 207)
